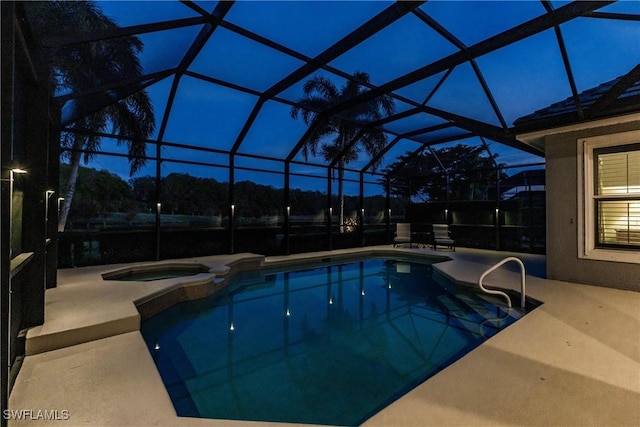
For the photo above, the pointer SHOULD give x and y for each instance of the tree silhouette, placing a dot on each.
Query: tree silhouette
(460, 172)
(330, 136)
(91, 65)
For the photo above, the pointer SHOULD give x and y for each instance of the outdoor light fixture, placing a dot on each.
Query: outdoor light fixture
(231, 328)
(18, 171)
(14, 171)
(47, 196)
(288, 210)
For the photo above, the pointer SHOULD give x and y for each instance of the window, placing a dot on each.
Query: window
(610, 176)
(617, 196)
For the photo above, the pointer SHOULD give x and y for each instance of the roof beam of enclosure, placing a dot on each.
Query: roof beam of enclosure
(283, 49)
(609, 15)
(567, 64)
(63, 41)
(424, 17)
(288, 51)
(375, 24)
(614, 92)
(486, 147)
(366, 30)
(513, 35)
(492, 132)
(201, 39)
(104, 99)
(369, 28)
(156, 77)
(222, 8)
(193, 6)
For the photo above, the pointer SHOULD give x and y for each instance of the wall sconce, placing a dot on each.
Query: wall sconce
(288, 210)
(47, 196)
(13, 172)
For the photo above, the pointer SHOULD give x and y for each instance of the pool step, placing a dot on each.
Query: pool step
(473, 315)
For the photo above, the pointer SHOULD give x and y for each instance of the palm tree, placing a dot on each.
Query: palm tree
(331, 135)
(84, 66)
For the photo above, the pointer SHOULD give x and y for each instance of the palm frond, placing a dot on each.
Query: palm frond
(321, 94)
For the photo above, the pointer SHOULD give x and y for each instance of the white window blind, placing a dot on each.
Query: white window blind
(617, 198)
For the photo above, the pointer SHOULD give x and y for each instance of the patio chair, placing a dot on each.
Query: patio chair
(442, 237)
(403, 234)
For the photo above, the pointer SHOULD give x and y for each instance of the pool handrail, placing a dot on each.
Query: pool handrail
(503, 294)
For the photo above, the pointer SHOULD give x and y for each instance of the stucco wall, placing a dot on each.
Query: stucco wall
(562, 216)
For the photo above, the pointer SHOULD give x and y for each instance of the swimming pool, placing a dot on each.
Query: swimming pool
(332, 344)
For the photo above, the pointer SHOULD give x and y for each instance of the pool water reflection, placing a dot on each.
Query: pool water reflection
(326, 345)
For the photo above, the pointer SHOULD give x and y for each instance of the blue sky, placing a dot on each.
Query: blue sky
(523, 77)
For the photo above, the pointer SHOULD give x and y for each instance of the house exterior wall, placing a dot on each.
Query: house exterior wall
(563, 213)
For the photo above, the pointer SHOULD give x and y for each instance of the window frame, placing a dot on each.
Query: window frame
(626, 197)
(589, 246)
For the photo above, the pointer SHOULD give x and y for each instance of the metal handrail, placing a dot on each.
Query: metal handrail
(522, 281)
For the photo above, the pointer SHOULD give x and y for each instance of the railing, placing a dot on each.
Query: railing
(522, 281)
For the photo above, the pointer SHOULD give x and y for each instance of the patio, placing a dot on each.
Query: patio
(240, 134)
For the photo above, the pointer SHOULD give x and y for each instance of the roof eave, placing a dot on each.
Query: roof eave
(536, 137)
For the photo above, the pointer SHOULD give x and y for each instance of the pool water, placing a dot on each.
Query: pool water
(332, 344)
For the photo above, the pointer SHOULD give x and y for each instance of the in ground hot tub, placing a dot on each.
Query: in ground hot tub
(148, 272)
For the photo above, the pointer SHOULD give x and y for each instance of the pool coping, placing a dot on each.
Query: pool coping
(451, 397)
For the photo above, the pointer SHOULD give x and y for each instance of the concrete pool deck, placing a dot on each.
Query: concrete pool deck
(574, 361)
